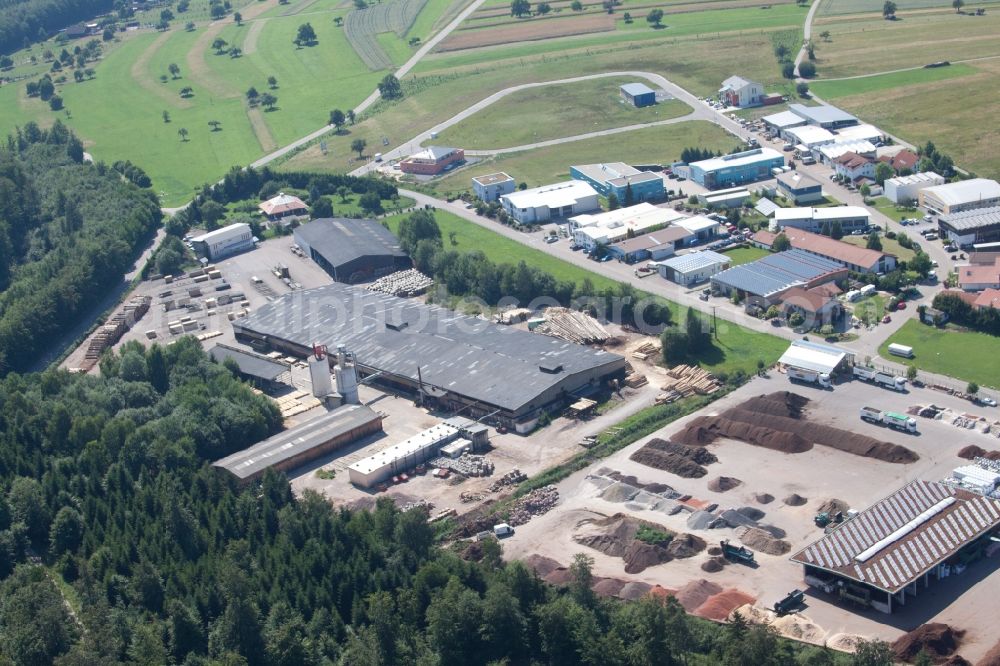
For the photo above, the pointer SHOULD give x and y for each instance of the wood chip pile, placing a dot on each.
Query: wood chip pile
(402, 283)
(685, 380)
(573, 326)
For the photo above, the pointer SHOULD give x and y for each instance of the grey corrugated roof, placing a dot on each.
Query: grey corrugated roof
(823, 113)
(492, 364)
(776, 272)
(250, 364)
(693, 261)
(972, 219)
(290, 443)
(637, 88)
(766, 207)
(342, 240)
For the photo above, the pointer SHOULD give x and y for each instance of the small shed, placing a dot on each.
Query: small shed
(638, 94)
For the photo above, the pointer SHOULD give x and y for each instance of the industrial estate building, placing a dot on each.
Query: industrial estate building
(297, 446)
(628, 184)
(656, 245)
(590, 230)
(693, 268)
(851, 218)
(281, 206)
(857, 259)
(737, 91)
(560, 200)
(638, 94)
(961, 196)
(432, 161)
(732, 197)
(893, 549)
(809, 356)
(762, 283)
(806, 137)
(799, 188)
(829, 152)
(824, 115)
(259, 370)
(351, 250)
(904, 189)
(971, 227)
(729, 170)
(492, 186)
(224, 242)
(442, 358)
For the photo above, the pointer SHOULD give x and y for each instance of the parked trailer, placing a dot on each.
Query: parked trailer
(901, 350)
(893, 420)
(809, 376)
(881, 378)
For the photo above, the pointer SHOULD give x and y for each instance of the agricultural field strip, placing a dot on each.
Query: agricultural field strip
(906, 69)
(494, 16)
(361, 26)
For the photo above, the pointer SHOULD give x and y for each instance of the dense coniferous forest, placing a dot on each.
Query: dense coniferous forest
(25, 21)
(68, 232)
(119, 544)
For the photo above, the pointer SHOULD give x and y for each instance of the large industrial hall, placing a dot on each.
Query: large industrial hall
(456, 362)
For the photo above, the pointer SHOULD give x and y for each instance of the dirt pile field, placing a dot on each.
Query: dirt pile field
(695, 593)
(939, 641)
(721, 484)
(720, 606)
(685, 461)
(714, 564)
(764, 498)
(616, 536)
(778, 421)
(762, 541)
(971, 452)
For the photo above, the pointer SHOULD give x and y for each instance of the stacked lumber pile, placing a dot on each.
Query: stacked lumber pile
(572, 326)
(402, 283)
(646, 351)
(685, 380)
(635, 380)
(512, 316)
(116, 326)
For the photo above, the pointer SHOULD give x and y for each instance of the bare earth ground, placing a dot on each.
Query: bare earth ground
(966, 602)
(533, 31)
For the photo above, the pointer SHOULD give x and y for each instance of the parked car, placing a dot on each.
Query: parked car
(901, 306)
(990, 402)
(886, 319)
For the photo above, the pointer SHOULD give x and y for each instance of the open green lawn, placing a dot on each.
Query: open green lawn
(744, 255)
(891, 211)
(536, 167)
(737, 348)
(889, 245)
(965, 355)
(551, 112)
(880, 82)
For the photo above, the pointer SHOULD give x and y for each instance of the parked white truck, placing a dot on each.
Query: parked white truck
(809, 376)
(881, 378)
(892, 419)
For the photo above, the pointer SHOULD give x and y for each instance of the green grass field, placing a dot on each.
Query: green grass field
(552, 112)
(880, 82)
(965, 355)
(547, 165)
(744, 255)
(889, 245)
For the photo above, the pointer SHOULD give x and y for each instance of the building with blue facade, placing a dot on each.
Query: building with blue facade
(628, 184)
(736, 169)
(638, 94)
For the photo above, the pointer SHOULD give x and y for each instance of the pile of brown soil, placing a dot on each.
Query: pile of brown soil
(685, 461)
(795, 500)
(611, 535)
(992, 658)
(719, 606)
(757, 539)
(634, 590)
(685, 545)
(721, 484)
(541, 565)
(764, 498)
(695, 593)
(938, 640)
(640, 555)
(473, 552)
(957, 660)
(714, 550)
(713, 564)
(561, 576)
(615, 536)
(833, 505)
(607, 587)
(971, 452)
(777, 422)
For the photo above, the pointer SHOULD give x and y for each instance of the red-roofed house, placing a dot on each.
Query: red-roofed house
(283, 205)
(817, 307)
(859, 259)
(854, 166)
(987, 298)
(979, 277)
(903, 161)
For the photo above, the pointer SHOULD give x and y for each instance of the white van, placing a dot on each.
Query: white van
(901, 350)
(503, 530)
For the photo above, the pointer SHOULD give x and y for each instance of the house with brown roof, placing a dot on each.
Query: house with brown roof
(854, 166)
(987, 298)
(814, 304)
(978, 277)
(853, 257)
(903, 162)
(283, 205)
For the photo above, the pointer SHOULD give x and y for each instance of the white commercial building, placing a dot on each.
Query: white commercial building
(492, 186)
(224, 242)
(737, 91)
(402, 457)
(851, 218)
(591, 230)
(862, 132)
(540, 204)
(827, 153)
(810, 136)
(693, 268)
(961, 195)
(733, 197)
(701, 228)
(907, 188)
(814, 357)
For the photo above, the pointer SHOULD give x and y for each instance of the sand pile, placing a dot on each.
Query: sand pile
(776, 421)
(695, 593)
(634, 590)
(764, 498)
(971, 452)
(721, 484)
(680, 459)
(685, 545)
(833, 506)
(719, 606)
(713, 564)
(607, 587)
(795, 500)
(619, 492)
(541, 565)
(611, 535)
(938, 640)
(760, 540)
(798, 628)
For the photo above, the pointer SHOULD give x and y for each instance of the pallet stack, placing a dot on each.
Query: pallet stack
(685, 380)
(573, 326)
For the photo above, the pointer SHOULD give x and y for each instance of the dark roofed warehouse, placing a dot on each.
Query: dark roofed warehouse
(455, 361)
(351, 251)
(258, 369)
